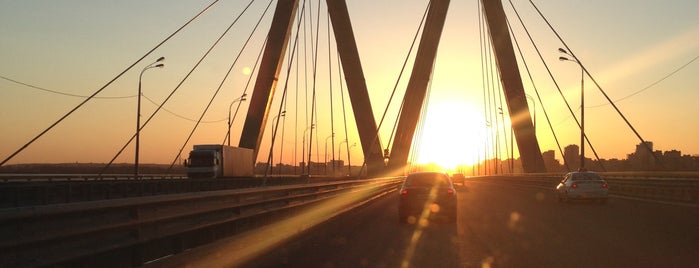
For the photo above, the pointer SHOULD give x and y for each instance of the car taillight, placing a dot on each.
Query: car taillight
(604, 185)
(450, 191)
(574, 186)
(404, 192)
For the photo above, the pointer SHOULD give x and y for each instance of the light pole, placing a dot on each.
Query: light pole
(275, 121)
(533, 104)
(326, 153)
(339, 149)
(349, 161)
(303, 152)
(155, 64)
(582, 104)
(230, 122)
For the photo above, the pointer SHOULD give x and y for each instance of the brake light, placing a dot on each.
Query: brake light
(604, 185)
(574, 186)
(404, 192)
(450, 191)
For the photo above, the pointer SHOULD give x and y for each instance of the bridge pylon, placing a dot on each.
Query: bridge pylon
(516, 100)
(417, 86)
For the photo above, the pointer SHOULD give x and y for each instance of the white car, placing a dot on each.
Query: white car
(582, 185)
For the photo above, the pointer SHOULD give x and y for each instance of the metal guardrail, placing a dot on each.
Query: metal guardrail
(681, 187)
(84, 177)
(132, 231)
(51, 189)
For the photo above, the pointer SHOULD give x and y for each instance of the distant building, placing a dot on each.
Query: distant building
(642, 158)
(550, 162)
(571, 156)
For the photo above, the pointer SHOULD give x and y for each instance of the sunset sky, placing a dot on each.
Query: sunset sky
(75, 47)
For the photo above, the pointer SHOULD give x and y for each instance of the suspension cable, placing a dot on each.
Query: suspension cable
(247, 86)
(62, 92)
(107, 84)
(196, 65)
(538, 96)
(651, 84)
(296, 100)
(225, 77)
(313, 94)
(557, 86)
(292, 53)
(108, 97)
(282, 105)
(483, 44)
(400, 75)
(395, 87)
(417, 142)
(332, 111)
(344, 115)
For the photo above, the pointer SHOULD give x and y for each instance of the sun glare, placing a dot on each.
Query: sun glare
(451, 135)
(247, 71)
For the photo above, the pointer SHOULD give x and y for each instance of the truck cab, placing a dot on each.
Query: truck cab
(203, 164)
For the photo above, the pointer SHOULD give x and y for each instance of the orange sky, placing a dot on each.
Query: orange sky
(76, 48)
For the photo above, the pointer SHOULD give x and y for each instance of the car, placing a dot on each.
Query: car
(459, 178)
(582, 185)
(425, 195)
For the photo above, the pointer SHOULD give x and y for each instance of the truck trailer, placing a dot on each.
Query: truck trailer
(219, 161)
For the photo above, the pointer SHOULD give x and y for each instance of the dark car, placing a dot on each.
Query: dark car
(425, 195)
(459, 178)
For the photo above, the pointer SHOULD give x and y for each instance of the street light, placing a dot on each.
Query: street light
(326, 154)
(533, 104)
(582, 103)
(339, 149)
(349, 161)
(230, 122)
(275, 121)
(155, 64)
(303, 152)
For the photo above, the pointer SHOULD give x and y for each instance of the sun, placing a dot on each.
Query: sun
(451, 135)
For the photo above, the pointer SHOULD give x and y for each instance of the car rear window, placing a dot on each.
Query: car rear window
(586, 176)
(428, 180)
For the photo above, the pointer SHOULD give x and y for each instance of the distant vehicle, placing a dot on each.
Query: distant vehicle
(458, 178)
(427, 194)
(582, 185)
(219, 161)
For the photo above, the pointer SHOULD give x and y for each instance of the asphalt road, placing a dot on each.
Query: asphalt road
(501, 226)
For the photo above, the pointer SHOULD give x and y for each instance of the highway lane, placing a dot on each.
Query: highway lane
(502, 226)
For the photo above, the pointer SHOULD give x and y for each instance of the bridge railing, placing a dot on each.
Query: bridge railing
(46, 189)
(133, 231)
(85, 177)
(682, 187)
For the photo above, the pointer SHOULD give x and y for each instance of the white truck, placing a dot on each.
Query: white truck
(219, 161)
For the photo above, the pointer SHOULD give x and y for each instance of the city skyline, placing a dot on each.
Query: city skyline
(643, 55)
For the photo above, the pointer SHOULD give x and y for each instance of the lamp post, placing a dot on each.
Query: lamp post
(155, 64)
(303, 152)
(275, 121)
(339, 149)
(349, 161)
(582, 103)
(326, 153)
(230, 122)
(533, 104)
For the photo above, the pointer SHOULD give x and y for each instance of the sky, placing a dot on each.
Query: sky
(631, 48)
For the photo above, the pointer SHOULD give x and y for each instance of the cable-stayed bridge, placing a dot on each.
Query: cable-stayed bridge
(308, 80)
